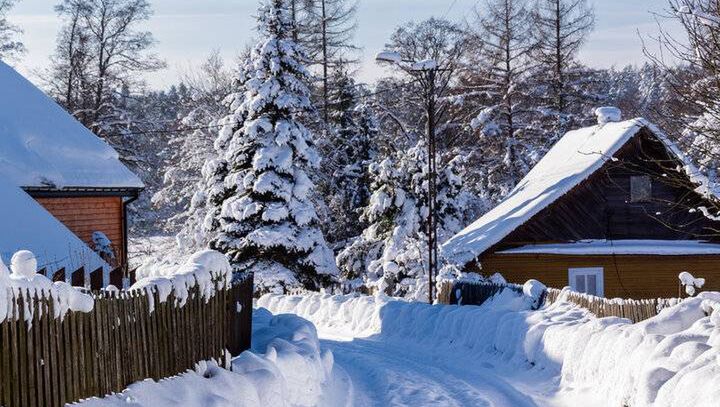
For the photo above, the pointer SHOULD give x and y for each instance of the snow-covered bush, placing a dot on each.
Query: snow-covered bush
(103, 246)
(268, 224)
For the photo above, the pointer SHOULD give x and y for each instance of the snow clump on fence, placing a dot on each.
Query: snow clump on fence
(208, 270)
(22, 279)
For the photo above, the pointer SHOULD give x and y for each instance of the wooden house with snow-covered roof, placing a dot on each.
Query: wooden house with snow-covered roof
(613, 210)
(76, 181)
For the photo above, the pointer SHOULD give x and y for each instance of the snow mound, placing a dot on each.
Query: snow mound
(209, 270)
(285, 368)
(672, 359)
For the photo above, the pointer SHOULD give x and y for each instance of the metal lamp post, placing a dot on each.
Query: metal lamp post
(426, 71)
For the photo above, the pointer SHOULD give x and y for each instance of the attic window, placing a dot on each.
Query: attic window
(640, 188)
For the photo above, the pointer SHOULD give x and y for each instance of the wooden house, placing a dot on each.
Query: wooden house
(614, 210)
(71, 173)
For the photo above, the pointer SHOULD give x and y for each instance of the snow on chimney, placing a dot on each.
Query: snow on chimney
(607, 114)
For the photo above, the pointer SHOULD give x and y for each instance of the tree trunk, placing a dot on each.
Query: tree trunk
(325, 63)
(559, 97)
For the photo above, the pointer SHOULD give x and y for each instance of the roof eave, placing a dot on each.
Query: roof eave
(52, 192)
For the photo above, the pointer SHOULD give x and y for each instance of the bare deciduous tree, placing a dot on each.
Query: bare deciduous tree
(99, 52)
(691, 69)
(326, 33)
(10, 45)
(560, 27)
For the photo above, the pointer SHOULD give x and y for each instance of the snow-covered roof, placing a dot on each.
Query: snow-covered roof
(26, 225)
(620, 247)
(41, 145)
(575, 157)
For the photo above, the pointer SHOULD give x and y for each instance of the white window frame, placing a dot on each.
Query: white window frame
(598, 272)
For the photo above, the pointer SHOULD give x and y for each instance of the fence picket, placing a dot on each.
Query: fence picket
(634, 310)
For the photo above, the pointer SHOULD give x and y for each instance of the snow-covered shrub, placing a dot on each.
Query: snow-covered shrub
(268, 224)
(285, 368)
(103, 246)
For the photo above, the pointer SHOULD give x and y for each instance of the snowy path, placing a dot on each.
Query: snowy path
(386, 376)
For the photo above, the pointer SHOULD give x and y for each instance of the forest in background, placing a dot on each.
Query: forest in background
(509, 86)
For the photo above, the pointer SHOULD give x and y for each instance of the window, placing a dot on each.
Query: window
(587, 280)
(640, 188)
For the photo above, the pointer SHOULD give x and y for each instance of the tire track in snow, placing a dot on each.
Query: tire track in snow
(384, 375)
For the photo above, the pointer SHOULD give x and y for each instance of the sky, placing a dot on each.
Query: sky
(188, 30)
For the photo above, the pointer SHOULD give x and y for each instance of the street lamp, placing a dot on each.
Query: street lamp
(426, 71)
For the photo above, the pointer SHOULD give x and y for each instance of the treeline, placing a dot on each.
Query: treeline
(509, 85)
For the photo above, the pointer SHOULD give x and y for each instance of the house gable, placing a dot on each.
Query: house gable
(574, 159)
(600, 207)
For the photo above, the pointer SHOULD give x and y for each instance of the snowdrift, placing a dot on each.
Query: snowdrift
(285, 368)
(672, 359)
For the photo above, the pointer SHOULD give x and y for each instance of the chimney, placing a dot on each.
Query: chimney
(607, 114)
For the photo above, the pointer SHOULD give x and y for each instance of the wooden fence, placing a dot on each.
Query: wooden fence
(465, 293)
(94, 280)
(47, 361)
(634, 310)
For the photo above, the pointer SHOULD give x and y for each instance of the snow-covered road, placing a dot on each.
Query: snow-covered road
(383, 375)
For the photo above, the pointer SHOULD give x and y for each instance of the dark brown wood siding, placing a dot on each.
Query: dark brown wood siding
(600, 207)
(85, 215)
(624, 276)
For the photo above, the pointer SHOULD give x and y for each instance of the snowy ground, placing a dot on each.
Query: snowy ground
(377, 351)
(504, 354)
(387, 372)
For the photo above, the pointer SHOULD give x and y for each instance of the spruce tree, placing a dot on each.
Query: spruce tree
(268, 224)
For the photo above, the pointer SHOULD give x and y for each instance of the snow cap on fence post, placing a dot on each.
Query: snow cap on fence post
(24, 264)
(534, 290)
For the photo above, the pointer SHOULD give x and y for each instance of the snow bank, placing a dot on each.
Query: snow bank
(24, 280)
(670, 360)
(285, 368)
(209, 270)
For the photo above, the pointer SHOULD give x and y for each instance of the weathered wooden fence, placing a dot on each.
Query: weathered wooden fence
(47, 361)
(634, 310)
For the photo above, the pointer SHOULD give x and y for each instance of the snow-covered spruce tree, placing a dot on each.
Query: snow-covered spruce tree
(390, 255)
(346, 151)
(268, 225)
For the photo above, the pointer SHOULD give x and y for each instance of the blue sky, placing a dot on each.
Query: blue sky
(187, 30)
